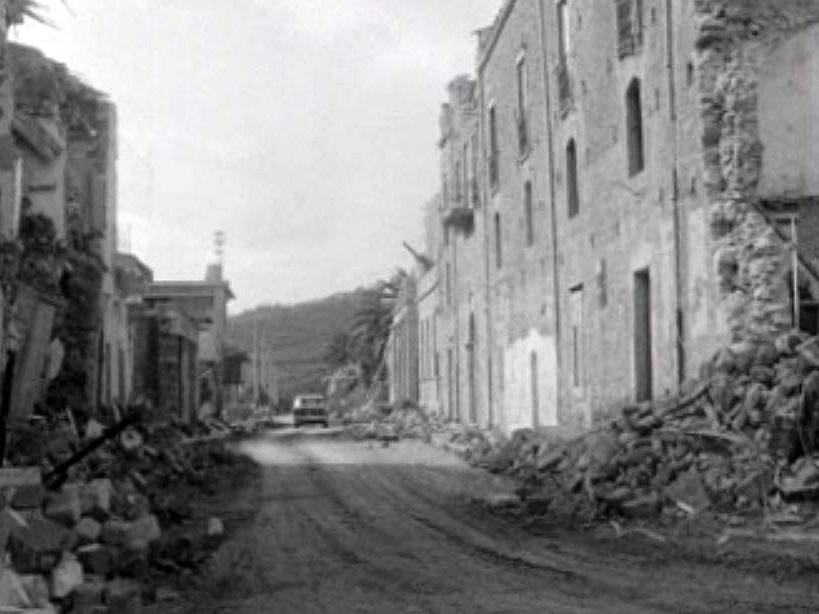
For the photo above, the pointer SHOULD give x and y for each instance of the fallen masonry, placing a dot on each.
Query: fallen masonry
(743, 440)
(94, 541)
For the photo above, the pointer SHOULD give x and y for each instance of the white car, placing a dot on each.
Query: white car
(310, 409)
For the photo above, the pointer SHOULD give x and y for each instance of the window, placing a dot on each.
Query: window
(474, 169)
(528, 213)
(520, 114)
(563, 30)
(564, 89)
(493, 146)
(634, 129)
(629, 27)
(498, 247)
(448, 283)
(572, 187)
(576, 337)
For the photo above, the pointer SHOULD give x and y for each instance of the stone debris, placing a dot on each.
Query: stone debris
(743, 438)
(90, 544)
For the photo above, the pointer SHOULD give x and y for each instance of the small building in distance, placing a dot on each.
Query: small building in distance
(205, 303)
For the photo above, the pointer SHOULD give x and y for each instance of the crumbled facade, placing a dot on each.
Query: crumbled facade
(647, 193)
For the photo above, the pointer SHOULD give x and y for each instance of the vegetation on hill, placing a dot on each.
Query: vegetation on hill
(296, 337)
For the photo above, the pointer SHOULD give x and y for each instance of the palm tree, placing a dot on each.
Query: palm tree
(371, 326)
(337, 353)
(18, 11)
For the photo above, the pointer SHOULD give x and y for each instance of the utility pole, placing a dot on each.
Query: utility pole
(255, 362)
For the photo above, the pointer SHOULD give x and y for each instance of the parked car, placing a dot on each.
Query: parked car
(310, 409)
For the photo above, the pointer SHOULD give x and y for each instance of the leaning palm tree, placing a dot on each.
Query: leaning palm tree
(18, 11)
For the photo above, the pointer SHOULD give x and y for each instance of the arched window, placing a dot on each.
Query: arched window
(572, 189)
(634, 129)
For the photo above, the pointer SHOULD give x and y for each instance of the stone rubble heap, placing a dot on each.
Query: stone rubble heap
(95, 543)
(743, 439)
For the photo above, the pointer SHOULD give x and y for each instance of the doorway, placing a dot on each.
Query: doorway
(643, 365)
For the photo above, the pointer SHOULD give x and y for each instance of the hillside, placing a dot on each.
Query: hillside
(297, 336)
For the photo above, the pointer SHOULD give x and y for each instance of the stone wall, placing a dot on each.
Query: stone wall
(735, 39)
(520, 293)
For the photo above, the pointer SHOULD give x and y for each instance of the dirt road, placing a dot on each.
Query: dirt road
(349, 527)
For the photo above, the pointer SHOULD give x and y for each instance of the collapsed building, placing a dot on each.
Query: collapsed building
(626, 187)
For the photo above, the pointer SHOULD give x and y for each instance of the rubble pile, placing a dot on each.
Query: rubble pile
(408, 421)
(743, 439)
(95, 542)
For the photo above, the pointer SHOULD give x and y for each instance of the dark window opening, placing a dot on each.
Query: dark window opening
(522, 124)
(493, 147)
(643, 363)
(629, 27)
(572, 187)
(634, 129)
(529, 213)
(498, 246)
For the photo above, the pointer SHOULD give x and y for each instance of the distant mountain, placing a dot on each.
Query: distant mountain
(297, 336)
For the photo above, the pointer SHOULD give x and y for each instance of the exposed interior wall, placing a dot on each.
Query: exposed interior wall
(735, 39)
(520, 294)
(788, 111)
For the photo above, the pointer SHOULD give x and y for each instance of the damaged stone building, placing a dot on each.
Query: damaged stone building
(627, 185)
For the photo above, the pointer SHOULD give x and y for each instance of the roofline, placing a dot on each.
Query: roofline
(167, 283)
(497, 27)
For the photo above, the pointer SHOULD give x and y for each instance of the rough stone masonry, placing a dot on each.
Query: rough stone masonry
(735, 37)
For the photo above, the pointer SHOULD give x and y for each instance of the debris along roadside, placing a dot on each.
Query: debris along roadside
(82, 530)
(742, 443)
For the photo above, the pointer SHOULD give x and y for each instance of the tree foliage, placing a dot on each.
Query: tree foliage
(364, 344)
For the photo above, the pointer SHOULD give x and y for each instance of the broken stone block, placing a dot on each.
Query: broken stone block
(143, 532)
(689, 492)
(98, 559)
(13, 477)
(12, 592)
(644, 506)
(133, 563)
(215, 527)
(36, 548)
(766, 355)
(123, 596)
(115, 532)
(95, 498)
(36, 588)
(88, 597)
(64, 506)
(94, 429)
(66, 576)
(88, 530)
(9, 521)
(496, 502)
(809, 352)
(27, 497)
(615, 496)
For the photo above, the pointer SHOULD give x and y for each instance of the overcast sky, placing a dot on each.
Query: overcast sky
(305, 129)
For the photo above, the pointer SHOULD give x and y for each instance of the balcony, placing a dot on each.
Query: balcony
(565, 95)
(629, 27)
(630, 43)
(460, 218)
